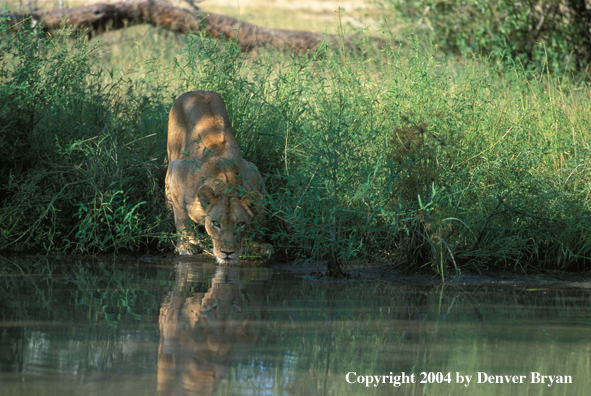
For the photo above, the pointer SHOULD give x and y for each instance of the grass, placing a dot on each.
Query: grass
(397, 157)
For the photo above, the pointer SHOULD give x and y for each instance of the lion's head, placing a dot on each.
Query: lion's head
(228, 220)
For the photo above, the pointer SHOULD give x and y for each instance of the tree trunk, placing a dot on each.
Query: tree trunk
(100, 17)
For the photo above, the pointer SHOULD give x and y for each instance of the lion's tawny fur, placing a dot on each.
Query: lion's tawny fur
(207, 180)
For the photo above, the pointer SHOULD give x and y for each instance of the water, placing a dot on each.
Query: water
(184, 327)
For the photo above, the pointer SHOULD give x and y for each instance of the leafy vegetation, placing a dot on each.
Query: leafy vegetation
(75, 175)
(391, 157)
(540, 35)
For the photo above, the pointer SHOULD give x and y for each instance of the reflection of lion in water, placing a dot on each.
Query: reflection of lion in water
(208, 181)
(200, 336)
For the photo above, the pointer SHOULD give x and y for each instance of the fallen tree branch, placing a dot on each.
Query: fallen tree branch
(100, 17)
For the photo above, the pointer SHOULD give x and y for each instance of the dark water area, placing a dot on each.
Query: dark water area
(188, 327)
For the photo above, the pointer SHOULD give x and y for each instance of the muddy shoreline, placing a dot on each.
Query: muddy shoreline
(549, 279)
(395, 277)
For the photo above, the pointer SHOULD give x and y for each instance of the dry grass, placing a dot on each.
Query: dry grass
(315, 16)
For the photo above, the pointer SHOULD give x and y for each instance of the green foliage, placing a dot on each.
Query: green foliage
(392, 159)
(543, 34)
(75, 175)
(41, 80)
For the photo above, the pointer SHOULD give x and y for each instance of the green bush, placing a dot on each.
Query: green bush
(41, 81)
(544, 35)
(79, 159)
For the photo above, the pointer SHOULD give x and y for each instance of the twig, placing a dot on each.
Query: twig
(193, 5)
(308, 185)
(452, 256)
(494, 212)
(574, 172)
(482, 152)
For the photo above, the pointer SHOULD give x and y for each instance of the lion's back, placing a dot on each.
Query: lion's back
(198, 120)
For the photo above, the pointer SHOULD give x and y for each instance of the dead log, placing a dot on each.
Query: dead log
(100, 17)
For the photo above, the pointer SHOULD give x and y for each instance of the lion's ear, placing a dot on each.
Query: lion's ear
(205, 196)
(253, 199)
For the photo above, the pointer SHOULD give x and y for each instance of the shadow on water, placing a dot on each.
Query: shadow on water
(186, 327)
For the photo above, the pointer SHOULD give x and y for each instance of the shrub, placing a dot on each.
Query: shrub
(552, 35)
(75, 175)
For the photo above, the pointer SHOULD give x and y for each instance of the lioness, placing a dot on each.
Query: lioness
(207, 180)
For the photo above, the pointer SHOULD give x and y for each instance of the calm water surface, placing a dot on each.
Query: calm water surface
(185, 327)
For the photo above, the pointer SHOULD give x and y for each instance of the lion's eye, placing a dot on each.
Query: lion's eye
(215, 224)
(241, 224)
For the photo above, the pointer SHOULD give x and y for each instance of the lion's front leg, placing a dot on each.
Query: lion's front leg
(167, 192)
(263, 247)
(187, 243)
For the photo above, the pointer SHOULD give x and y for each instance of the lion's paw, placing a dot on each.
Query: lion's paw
(189, 247)
(266, 249)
